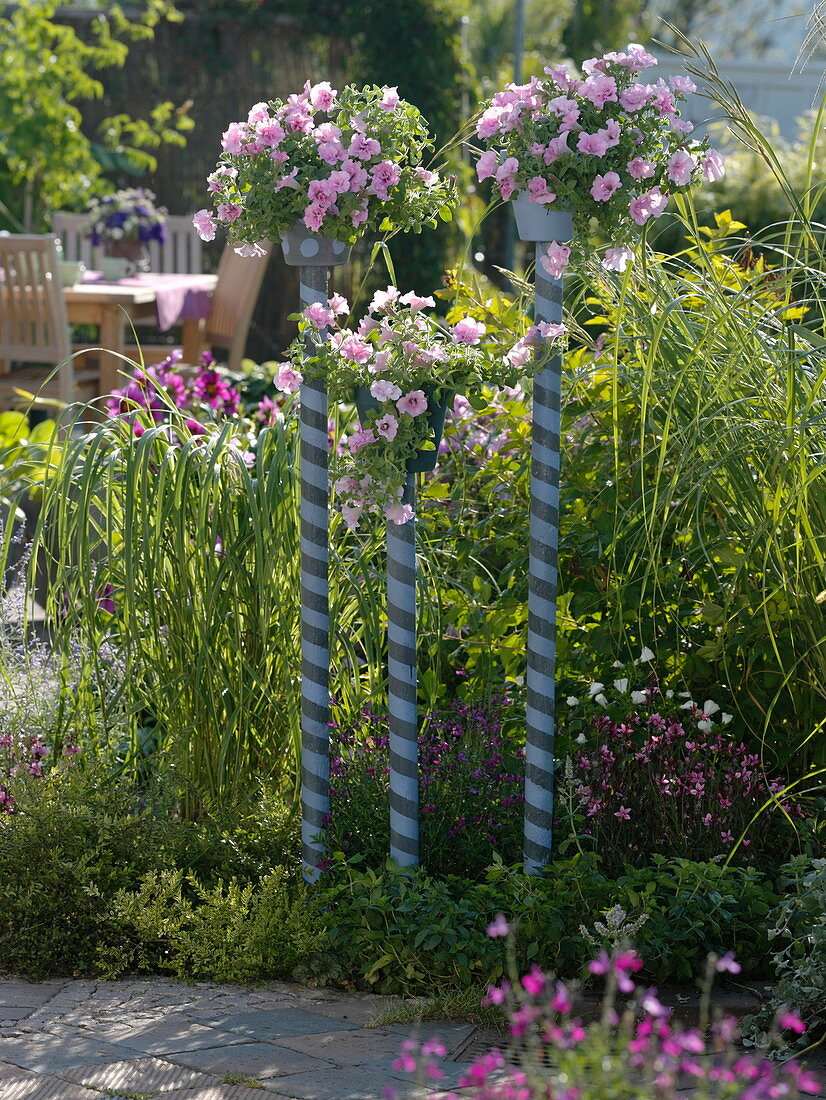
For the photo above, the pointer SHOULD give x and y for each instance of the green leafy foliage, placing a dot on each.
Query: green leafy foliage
(407, 932)
(46, 70)
(797, 941)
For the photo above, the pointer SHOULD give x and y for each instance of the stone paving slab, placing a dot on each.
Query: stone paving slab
(254, 1059)
(169, 1035)
(346, 1083)
(46, 1054)
(217, 1092)
(45, 1088)
(138, 1075)
(7, 1069)
(279, 1023)
(345, 1048)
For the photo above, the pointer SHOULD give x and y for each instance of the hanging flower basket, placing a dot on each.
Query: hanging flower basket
(337, 164)
(537, 223)
(304, 248)
(424, 460)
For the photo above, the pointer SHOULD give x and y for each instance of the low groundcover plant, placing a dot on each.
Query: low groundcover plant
(634, 1049)
(358, 169)
(607, 146)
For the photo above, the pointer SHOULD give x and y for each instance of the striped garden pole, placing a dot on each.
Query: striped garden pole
(402, 687)
(542, 590)
(315, 610)
(314, 255)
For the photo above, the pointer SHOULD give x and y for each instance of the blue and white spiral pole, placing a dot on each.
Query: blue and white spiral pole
(314, 256)
(544, 549)
(402, 687)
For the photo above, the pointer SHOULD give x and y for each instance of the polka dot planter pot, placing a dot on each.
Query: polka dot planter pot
(303, 248)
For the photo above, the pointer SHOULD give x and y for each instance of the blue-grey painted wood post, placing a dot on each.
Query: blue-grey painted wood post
(542, 590)
(402, 687)
(315, 610)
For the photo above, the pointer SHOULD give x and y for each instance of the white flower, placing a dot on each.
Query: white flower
(710, 707)
(594, 689)
(581, 739)
(639, 697)
(603, 702)
(670, 693)
(617, 664)
(684, 694)
(705, 725)
(726, 718)
(621, 685)
(687, 705)
(572, 700)
(646, 655)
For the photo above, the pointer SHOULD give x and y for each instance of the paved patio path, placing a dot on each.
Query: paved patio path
(139, 1038)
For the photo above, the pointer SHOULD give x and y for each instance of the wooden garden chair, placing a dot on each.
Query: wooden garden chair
(34, 331)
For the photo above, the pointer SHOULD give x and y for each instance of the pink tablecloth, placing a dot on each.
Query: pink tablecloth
(177, 297)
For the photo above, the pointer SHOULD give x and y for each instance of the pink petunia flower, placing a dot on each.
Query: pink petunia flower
(398, 513)
(385, 390)
(204, 225)
(556, 259)
(387, 426)
(390, 99)
(287, 378)
(413, 403)
(604, 187)
(467, 331)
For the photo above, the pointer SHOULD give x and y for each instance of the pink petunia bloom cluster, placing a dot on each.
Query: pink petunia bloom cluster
(634, 1047)
(605, 145)
(400, 362)
(338, 162)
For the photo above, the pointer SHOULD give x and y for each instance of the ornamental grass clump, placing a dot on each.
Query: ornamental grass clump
(656, 772)
(607, 146)
(399, 363)
(341, 163)
(470, 783)
(635, 1050)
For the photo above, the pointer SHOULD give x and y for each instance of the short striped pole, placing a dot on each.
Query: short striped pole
(402, 687)
(315, 610)
(542, 590)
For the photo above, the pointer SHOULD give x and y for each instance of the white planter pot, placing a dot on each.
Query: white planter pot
(303, 248)
(535, 222)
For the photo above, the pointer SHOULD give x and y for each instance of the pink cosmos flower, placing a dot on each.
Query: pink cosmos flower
(387, 426)
(713, 166)
(363, 147)
(287, 378)
(680, 167)
(354, 349)
(385, 390)
(604, 187)
(398, 513)
(467, 331)
(205, 225)
(556, 259)
(640, 169)
(390, 99)
(617, 258)
(322, 95)
(413, 403)
(498, 927)
(486, 165)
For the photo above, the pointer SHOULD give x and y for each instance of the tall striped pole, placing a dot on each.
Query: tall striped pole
(542, 588)
(315, 609)
(402, 687)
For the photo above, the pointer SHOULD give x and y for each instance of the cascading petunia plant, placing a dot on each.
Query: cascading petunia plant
(400, 363)
(340, 162)
(605, 146)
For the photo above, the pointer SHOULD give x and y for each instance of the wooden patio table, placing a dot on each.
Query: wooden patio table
(162, 300)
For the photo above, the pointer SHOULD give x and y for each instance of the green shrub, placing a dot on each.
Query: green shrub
(406, 932)
(797, 939)
(225, 933)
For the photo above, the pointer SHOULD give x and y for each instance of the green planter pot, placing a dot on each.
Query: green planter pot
(424, 461)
